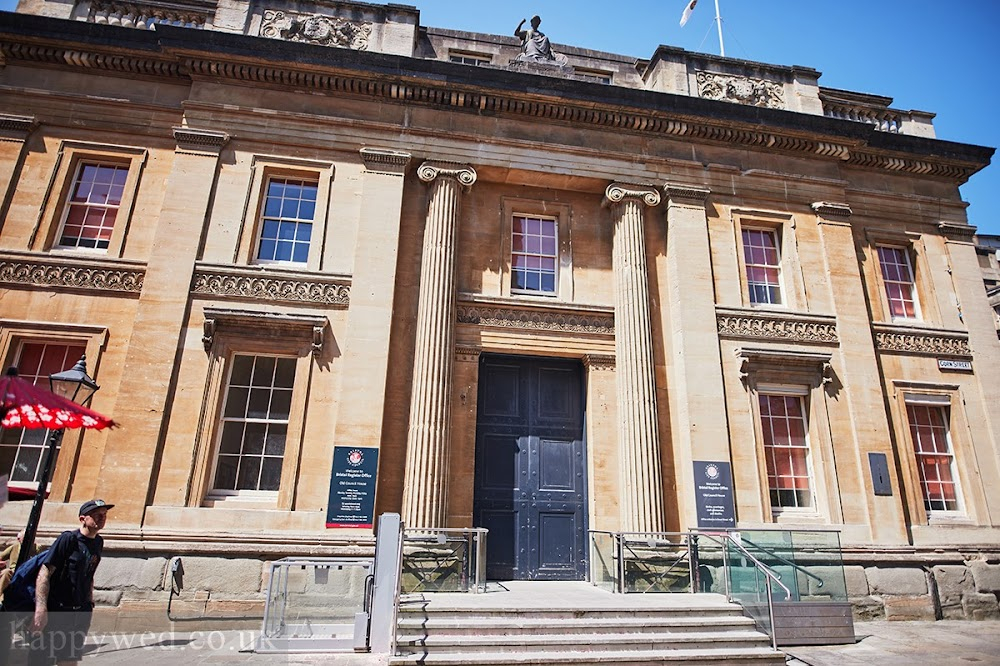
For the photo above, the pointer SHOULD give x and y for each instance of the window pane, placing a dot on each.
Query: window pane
(897, 278)
(251, 446)
(533, 258)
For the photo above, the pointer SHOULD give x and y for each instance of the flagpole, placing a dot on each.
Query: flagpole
(718, 20)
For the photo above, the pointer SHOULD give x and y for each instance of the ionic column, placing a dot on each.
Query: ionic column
(638, 434)
(425, 486)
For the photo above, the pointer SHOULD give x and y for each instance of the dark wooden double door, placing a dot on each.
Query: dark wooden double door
(531, 480)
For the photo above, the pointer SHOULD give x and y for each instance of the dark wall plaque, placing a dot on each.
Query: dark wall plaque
(880, 473)
(352, 487)
(713, 487)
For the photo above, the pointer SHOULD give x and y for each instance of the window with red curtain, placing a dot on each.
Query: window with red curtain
(935, 462)
(786, 450)
(93, 206)
(21, 449)
(897, 276)
(760, 256)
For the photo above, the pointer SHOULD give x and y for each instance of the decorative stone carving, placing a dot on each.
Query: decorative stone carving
(463, 173)
(16, 127)
(385, 161)
(242, 283)
(617, 192)
(743, 324)
(599, 362)
(467, 353)
(740, 90)
(114, 278)
(265, 324)
(832, 210)
(534, 320)
(690, 195)
(929, 343)
(316, 29)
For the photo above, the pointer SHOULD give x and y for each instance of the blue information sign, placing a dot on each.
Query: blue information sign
(713, 491)
(352, 487)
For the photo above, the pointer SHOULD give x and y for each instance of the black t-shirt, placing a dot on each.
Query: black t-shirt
(75, 559)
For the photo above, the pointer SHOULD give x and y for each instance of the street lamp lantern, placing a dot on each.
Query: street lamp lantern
(76, 385)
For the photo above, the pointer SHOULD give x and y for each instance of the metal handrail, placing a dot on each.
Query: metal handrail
(797, 567)
(770, 574)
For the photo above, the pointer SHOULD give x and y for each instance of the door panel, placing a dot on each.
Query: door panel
(530, 481)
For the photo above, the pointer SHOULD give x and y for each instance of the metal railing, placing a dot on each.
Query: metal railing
(630, 562)
(319, 604)
(443, 560)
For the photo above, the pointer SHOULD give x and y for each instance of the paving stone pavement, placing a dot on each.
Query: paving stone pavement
(945, 643)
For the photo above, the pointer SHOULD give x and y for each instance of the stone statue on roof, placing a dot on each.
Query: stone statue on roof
(535, 46)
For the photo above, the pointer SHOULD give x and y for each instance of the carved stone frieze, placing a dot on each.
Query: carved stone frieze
(928, 343)
(316, 29)
(740, 90)
(790, 327)
(54, 272)
(242, 283)
(501, 317)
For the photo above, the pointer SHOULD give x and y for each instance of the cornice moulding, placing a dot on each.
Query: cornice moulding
(172, 52)
(516, 314)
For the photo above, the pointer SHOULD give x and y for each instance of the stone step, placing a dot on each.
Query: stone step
(524, 625)
(606, 642)
(500, 613)
(755, 656)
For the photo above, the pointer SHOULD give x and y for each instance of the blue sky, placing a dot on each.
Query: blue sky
(929, 55)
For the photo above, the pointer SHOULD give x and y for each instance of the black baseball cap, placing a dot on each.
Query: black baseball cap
(94, 504)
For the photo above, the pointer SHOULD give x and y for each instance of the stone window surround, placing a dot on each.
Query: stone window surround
(94, 339)
(783, 225)
(53, 211)
(262, 169)
(229, 332)
(806, 374)
(947, 395)
(912, 243)
(562, 213)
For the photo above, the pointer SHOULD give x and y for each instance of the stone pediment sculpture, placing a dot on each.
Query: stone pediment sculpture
(315, 29)
(536, 50)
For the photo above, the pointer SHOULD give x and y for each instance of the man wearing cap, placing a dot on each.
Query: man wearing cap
(64, 590)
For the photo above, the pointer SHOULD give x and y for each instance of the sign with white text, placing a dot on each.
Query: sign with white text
(951, 364)
(352, 487)
(713, 491)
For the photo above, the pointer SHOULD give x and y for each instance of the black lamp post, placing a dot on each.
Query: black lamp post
(76, 385)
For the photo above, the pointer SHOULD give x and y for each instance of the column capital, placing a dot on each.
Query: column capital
(382, 160)
(830, 209)
(619, 191)
(16, 128)
(199, 141)
(692, 195)
(431, 169)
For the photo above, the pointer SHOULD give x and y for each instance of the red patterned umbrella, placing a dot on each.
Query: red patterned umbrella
(25, 405)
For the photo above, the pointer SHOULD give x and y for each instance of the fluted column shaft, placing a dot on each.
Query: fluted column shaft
(425, 486)
(639, 441)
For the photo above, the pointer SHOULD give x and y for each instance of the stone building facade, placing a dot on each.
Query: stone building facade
(279, 228)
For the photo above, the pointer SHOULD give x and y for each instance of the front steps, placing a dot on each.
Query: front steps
(520, 623)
